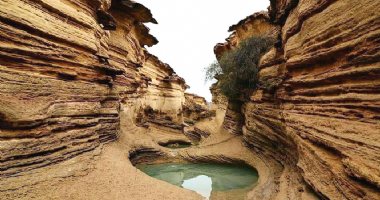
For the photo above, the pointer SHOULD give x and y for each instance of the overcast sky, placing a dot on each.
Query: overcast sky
(189, 29)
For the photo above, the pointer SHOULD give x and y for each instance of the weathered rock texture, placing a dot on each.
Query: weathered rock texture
(66, 69)
(196, 108)
(257, 24)
(319, 123)
(219, 101)
(233, 119)
(195, 99)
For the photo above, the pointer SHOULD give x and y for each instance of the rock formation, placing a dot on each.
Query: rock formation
(67, 69)
(74, 75)
(318, 125)
(219, 101)
(195, 108)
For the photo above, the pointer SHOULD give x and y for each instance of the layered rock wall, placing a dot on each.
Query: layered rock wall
(255, 25)
(163, 92)
(319, 121)
(219, 101)
(196, 108)
(67, 67)
(195, 99)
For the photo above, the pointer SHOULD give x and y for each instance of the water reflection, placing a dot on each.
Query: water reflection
(209, 180)
(201, 184)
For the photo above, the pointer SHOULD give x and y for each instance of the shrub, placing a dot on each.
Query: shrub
(237, 70)
(212, 70)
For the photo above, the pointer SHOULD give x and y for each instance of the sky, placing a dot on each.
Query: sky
(188, 30)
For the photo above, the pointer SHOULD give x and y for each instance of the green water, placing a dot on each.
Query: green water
(209, 180)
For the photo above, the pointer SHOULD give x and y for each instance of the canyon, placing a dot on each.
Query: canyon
(82, 102)
(318, 123)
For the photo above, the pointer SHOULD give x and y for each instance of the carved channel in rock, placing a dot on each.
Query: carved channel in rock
(175, 144)
(144, 155)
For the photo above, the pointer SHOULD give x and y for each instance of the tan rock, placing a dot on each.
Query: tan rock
(320, 122)
(66, 72)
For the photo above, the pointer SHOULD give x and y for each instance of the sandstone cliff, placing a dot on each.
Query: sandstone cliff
(196, 108)
(67, 69)
(318, 126)
(74, 75)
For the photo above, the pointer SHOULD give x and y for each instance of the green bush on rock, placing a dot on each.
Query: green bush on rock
(237, 70)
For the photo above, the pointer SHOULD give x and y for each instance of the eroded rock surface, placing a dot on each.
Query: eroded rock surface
(318, 123)
(67, 70)
(75, 75)
(196, 108)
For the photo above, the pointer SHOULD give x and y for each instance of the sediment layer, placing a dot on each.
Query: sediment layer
(320, 123)
(75, 76)
(67, 70)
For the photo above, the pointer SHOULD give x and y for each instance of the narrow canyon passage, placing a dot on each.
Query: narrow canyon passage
(87, 112)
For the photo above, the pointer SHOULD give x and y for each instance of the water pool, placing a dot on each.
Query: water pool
(213, 181)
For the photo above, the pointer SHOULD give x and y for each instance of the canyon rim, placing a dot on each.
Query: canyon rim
(82, 102)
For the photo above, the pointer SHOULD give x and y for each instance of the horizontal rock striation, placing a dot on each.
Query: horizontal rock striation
(329, 98)
(219, 101)
(315, 114)
(195, 99)
(67, 68)
(233, 119)
(144, 155)
(258, 25)
(196, 108)
(195, 134)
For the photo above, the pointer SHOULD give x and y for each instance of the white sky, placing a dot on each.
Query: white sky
(189, 29)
